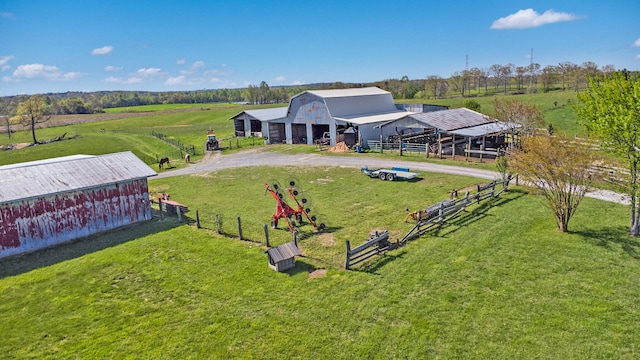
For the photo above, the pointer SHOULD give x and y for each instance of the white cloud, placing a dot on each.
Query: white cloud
(149, 72)
(6, 15)
(105, 50)
(117, 80)
(529, 18)
(197, 65)
(181, 61)
(280, 79)
(637, 43)
(113, 68)
(178, 80)
(638, 56)
(49, 72)
(215, 80)
(193, 68)
(298, 82)
(4, 62)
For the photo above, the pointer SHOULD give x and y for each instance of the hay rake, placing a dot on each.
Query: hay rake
(293, 215)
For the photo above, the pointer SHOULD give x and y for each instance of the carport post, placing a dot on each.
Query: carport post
(453, 146)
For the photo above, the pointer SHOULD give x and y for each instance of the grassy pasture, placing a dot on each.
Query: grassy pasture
(129, 133)
(499, 282)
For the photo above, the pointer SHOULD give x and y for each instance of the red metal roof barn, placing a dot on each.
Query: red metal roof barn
(48, 202)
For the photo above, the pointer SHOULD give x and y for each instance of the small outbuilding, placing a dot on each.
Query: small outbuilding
(282, 258)
(48, 202)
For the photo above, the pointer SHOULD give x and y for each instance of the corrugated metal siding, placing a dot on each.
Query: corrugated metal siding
(36, 223)
(309, 109)
(32, 181)
(361, 105)
(350, 93)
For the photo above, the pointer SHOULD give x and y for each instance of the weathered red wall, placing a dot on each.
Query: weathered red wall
(33, 224)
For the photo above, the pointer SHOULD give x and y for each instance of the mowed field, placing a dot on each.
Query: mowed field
(498, 282)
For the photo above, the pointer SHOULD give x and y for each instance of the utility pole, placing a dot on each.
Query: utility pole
(532, 80)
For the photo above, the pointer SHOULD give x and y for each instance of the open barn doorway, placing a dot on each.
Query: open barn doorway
(318, 132)
(299, 133)
(277, 134)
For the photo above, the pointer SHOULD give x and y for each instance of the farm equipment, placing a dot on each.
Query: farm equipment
(212, 143)
(292, 215)
(390, 175)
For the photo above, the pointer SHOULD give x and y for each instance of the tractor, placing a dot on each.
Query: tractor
(212, 143)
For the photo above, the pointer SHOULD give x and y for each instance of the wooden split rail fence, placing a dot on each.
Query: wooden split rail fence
(427, 219)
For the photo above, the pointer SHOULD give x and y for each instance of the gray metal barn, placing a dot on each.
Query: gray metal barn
(48, 202)
(312, 113)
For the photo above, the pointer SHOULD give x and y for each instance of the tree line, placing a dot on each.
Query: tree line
(497, 79)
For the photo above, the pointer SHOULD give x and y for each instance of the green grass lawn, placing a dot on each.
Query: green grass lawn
(499, 282)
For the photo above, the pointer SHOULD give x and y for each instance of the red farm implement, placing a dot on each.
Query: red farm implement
(293, 215)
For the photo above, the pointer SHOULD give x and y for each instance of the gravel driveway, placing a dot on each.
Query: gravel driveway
(257, 157)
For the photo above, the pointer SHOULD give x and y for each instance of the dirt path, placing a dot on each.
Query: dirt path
(258, 157)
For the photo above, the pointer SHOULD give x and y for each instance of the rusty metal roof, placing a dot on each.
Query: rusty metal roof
(284, 252)
(453, 119)
(70, 173)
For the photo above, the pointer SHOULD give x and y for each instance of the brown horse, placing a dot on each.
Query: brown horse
(164, 160)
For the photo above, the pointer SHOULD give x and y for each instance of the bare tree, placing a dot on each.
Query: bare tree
(524, 117)
(505, 74)
(558, 169)
(495, 71)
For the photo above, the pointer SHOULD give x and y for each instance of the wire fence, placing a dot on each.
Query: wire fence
(233, 226)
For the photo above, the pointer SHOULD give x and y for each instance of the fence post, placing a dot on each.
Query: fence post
(160, 207)
(218, 224)
(427, 150)
(198, 220)
(179, 212)
(295, 237)
(240, 228)
(266, 233)
(346, 262)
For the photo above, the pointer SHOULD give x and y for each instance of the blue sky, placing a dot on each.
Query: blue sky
(74, 45)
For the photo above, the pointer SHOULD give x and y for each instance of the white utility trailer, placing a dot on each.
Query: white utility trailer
(390, 174)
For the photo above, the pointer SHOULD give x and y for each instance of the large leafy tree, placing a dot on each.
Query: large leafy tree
(558, 169)
(32, 112)
(610, 109)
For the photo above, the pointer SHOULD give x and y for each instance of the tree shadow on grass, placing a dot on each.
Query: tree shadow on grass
(610, 236)
(373, 265)
(475, 214)
(22, 263)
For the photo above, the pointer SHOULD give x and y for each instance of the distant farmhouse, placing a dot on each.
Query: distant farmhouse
(371, 115)
(48, 202)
